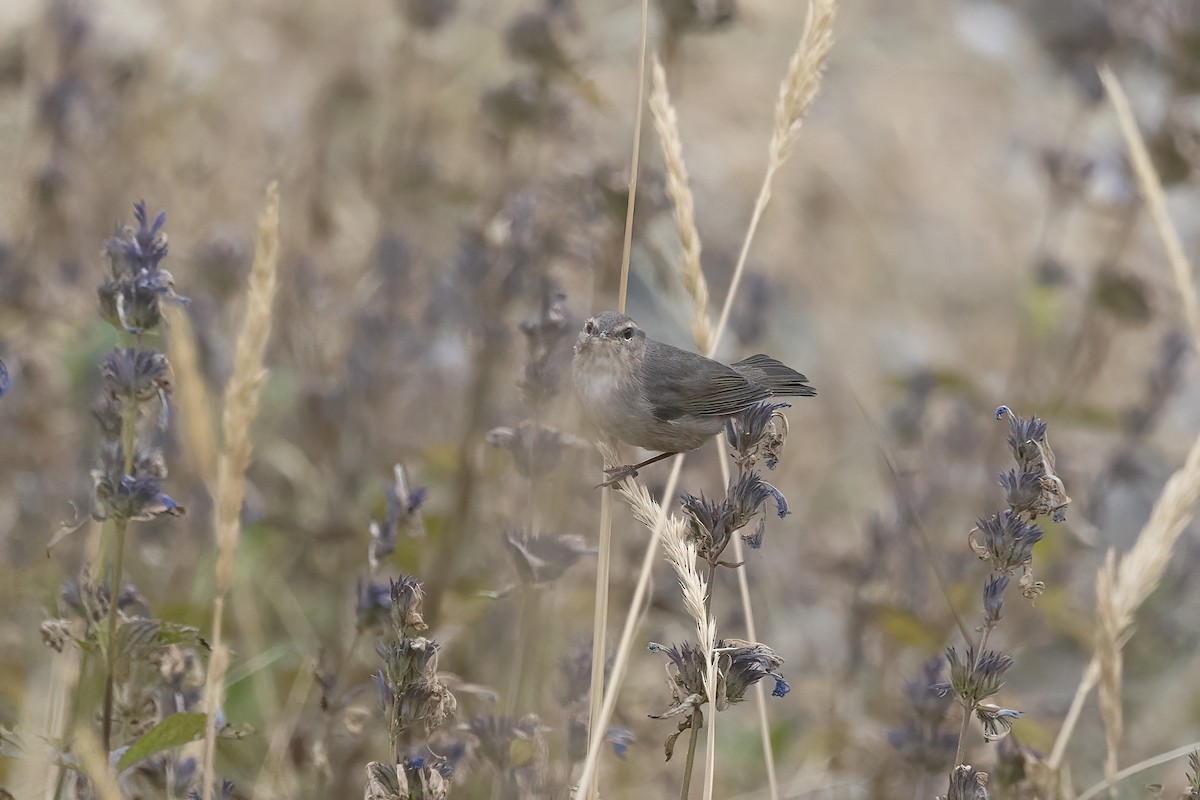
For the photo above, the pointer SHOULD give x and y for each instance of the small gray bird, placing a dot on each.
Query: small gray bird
(658, 397)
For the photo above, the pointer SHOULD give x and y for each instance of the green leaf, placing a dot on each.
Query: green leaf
(172, 731)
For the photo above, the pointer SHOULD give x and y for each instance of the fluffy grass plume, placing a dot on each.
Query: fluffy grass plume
(241, 407)
(796, 93)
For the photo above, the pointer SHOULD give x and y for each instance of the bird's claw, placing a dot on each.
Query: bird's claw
(618, 474)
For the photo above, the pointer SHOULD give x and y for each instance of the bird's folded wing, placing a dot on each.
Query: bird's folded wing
(680, 383)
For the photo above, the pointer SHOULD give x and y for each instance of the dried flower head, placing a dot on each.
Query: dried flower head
(967, 783)
(993, 599)
(403, 512)
(130, 300)
(759, 431)
(405, 596)
(137, 497)
(412, 694)
(1007, 541)
(1035, 464)
(997, 721)
(747, 496)
(974, 680)
(742, 664)
(413, 778)
(542, 559)
(1193, 776)
(136, 375)
(685, 677)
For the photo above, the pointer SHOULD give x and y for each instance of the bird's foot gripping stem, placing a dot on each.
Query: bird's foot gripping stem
(618, 474)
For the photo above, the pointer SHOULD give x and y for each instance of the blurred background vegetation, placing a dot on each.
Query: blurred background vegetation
(958, 228)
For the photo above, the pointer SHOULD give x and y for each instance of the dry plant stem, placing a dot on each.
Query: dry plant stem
(634, 159)
(621, 660)
(241, 407)
(691, 757)
(95, 765)
(760, 694)
(796, 94)
(1133, 769)
(1142, 566)
(1156, 200)
(600, 616)
(1108, 644)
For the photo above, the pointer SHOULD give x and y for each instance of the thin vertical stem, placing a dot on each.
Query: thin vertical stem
(119, 528)
(634, 159)
(691, 756)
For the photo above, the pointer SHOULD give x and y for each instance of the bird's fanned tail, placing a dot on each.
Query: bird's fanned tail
(779, 378)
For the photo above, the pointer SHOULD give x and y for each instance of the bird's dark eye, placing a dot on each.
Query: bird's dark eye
(589, 328)
(628, 333)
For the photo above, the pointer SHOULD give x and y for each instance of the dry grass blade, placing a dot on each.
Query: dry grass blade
(1156, 201)
(599, 724)
(796, 94)
(666, 125)
(95, 765)
(241, 408)
(1108, 651)
(1140, 571)
(1142, 567)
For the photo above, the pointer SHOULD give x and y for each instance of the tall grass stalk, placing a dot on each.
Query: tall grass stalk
(604, 555)
(796, 93)
(1142, 566)
(241, 408)
(94, 762)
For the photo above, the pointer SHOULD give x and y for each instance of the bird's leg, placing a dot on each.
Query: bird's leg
(618, 474)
